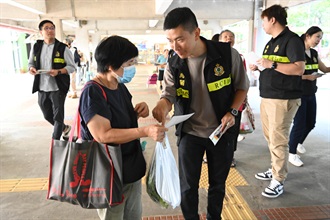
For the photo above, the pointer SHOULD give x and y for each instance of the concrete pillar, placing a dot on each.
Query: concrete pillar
(250, 36)
(82, 40)
(96, 38)
(260, 38)
(59, 29)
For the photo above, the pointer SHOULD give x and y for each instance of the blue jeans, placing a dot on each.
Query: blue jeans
(219, 157)
(303, 123)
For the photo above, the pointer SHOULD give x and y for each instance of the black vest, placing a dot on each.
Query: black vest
(311, 66)
(218, 77)
(58, 62)
(274, 84)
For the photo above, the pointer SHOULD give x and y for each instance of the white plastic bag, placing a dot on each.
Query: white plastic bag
(167, 175)
(247, 120)
(151, 183)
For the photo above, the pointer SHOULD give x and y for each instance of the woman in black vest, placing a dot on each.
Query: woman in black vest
(305, 118)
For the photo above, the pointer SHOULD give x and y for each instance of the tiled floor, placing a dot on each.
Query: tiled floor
(295, 213)
(169, 217)
(234, 206)
(22, 187)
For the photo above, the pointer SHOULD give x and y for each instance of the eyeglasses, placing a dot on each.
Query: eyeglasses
(49, 28)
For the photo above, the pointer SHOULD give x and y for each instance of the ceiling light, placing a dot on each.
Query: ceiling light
(71, 23)
(161, 6)
(153, 23)
(21, 6)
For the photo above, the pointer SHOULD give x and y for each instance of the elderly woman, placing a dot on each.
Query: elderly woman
(114, 119)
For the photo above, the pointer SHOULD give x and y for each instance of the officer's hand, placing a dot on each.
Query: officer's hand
(32, 70)
(161, 110)
(53, 72)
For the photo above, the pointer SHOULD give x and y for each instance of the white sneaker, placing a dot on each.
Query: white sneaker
(295, 160)
(274, 189)
(240, 138)
(268, 175)
(301, 149)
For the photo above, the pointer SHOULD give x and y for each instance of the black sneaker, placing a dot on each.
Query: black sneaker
(268, 175)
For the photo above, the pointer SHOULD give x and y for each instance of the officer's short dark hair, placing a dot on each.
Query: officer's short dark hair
(41, 24)
(114, 51)
(181, 16)
(278, 12)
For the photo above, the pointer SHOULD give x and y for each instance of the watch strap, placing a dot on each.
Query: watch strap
(233, 111)
(274, 65)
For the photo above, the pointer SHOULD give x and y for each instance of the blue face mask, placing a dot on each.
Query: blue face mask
(129, 73)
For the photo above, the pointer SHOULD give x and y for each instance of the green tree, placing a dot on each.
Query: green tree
(313, 13)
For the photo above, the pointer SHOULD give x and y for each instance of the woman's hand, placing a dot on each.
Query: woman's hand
(156, 132)
(253, 67)
(310, 77)
(142, 110)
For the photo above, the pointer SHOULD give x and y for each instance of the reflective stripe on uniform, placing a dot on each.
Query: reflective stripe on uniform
(214, 86)
(59, 60)
(312, 67)
(275, 58)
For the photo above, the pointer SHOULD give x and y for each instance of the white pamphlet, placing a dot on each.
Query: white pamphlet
(317, 74)
(177, 119)
(217, 134)
(42, 71)
(252, 59)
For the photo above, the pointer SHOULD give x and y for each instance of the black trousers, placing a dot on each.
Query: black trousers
(52, 107)
(236, 128)
(303, 122)
(219, 157)
(160, 75)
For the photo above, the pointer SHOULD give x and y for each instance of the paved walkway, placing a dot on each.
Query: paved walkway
(24, 162)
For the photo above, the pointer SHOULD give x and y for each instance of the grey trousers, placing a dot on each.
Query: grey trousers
(130, 209)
